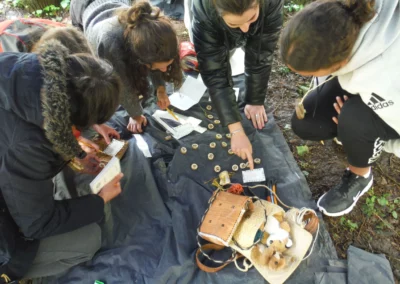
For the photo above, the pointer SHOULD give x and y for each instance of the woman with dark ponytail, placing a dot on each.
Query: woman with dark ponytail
(139, 42)
(218, 27)
(355, 46)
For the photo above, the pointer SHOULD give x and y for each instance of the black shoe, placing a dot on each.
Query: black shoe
(343, 197)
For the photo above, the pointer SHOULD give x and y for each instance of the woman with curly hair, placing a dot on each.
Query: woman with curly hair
(139, 42)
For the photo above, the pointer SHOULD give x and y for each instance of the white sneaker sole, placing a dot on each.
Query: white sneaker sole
(349, 209)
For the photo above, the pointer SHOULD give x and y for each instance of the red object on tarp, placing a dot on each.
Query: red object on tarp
(188, 56)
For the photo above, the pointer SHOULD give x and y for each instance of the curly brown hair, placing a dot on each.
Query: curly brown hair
(149, 38)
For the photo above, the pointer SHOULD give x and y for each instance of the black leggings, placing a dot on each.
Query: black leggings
(362, 132)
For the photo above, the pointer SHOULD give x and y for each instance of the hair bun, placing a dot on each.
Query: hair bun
(139, 13)
(361, 10)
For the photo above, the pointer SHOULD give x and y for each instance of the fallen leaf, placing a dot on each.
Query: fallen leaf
(301, 150)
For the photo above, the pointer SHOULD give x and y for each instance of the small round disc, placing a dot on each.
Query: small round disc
(195, 146)
(230, 152)
(242, 165)
(218, 136)
(210, 156)
(194, 167)
(209, 107)
(210, 116)
(257, 161)
(235, 168)
(217, 121)
(224, 144)
(167, 138)
(213, 145)
(228, 135)
(211, 126)
(183, 150)
(217, 169)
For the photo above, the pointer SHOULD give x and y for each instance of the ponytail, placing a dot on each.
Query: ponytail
(323, 34)
(362, 11)
(139, 13)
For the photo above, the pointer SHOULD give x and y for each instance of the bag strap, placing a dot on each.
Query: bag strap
(216, 247)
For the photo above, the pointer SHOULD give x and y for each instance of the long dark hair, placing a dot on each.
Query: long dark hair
(94, 89)
(235, 7)
(149, 38)
(324, 33)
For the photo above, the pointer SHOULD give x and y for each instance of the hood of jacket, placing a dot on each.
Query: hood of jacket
(34, 88)
(376, 36)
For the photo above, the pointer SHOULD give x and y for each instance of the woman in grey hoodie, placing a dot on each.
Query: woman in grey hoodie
(139, 42)
(356, 43)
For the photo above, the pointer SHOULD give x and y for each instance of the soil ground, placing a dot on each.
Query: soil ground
(373, 225)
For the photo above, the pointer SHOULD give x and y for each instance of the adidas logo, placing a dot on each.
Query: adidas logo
(376, 102)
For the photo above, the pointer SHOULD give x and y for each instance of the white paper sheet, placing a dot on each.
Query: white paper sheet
(189, 94)
(237, 62)
(143, 146)
(114, 147)
(110, 171)
(187, 125)
(256, 175)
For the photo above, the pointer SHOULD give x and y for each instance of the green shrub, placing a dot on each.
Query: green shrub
(37, 5)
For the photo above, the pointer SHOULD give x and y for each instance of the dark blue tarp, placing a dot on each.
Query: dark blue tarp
(153, 222)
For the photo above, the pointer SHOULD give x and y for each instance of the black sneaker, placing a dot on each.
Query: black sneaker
(343, 197)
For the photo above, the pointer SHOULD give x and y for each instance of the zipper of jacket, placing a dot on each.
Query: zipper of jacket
(262, 30)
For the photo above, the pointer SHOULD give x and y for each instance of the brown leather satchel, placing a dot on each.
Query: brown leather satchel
(223, 216)
(234, 220)
(219, 224)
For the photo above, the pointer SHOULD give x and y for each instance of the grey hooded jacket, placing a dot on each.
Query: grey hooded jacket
(373, 70)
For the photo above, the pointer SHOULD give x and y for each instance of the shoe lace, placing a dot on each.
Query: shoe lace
(347, 179)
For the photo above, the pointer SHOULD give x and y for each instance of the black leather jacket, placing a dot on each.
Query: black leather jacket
(213, 40)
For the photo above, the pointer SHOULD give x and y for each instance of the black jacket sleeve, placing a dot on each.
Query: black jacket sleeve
(212, 50)
(214, 66)
(259, 52)
(30, 199)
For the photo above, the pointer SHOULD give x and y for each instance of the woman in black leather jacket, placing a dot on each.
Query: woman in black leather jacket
(219, 26)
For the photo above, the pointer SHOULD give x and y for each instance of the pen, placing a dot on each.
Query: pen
(173, 114)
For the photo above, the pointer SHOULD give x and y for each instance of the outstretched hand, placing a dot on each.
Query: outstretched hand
(106, 131)
(338, 107)
(257, 115)
(137, 124)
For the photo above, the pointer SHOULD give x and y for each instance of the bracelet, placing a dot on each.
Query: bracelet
(236, 131)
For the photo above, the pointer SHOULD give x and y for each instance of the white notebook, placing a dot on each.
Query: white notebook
(110, 171)
(114, 147)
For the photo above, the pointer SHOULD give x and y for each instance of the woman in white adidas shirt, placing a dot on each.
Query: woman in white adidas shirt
(356, 43)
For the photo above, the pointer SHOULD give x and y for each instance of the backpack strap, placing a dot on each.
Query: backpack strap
(216, 247)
